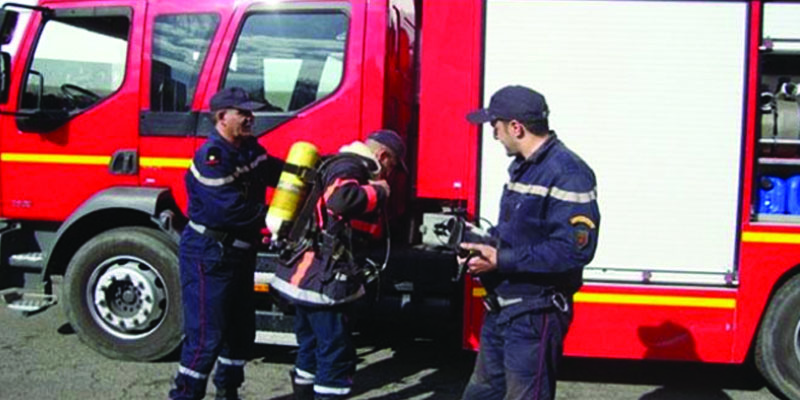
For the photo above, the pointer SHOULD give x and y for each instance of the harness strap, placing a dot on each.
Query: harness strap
(307, 175)
(303, 220)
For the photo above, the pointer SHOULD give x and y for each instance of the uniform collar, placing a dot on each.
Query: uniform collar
(220, 141)
(538, 156)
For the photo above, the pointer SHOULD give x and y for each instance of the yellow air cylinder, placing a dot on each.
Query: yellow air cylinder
(291, 190)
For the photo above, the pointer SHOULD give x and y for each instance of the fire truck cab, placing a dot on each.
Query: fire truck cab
(105, 104)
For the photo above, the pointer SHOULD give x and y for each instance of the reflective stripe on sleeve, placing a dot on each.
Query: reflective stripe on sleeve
(554, 192)
(226, 179)
(364, 226)
(339, 182)
(257, 161)
(211, 181)
(191, 373)
(372, 197)
(574, 197)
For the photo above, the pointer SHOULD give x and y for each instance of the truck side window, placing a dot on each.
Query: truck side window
(180, 44)
(289, 59)
(77, 62)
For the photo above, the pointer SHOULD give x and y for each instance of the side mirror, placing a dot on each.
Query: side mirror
(5, 76)
(41, 121)
(8, 21)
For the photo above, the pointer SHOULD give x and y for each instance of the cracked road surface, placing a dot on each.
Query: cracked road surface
(41, 358)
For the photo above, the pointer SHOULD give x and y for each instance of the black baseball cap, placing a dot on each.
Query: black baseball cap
(513, 102)
(393, 142)
(234, 97)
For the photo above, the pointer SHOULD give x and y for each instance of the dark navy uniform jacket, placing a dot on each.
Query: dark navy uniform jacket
(227, 185)
(548, 225)
(349, 195)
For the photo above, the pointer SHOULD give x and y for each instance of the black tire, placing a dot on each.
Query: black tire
(777, 351)
(122, 294)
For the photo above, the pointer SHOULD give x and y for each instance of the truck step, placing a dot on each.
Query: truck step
(27, 260)
(26, 302)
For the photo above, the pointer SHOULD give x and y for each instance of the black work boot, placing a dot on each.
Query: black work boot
(227, 394)
(318, 396)
(301, 391)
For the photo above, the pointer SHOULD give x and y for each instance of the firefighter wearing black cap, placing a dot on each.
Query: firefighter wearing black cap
(546, 233)
(226, 185)
(329, 276)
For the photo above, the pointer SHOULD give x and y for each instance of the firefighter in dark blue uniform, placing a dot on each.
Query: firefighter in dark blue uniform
(546, 233)
(226, 185)
(330, 276)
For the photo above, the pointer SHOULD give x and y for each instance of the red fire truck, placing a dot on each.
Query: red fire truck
(687, 111)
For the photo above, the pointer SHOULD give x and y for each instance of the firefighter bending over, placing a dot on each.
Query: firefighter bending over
(226, 184)
(546, 233)
(329, 276)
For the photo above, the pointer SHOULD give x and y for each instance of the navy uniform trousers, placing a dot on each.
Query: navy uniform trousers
(326, 356)
(219, 316)
(511, 364)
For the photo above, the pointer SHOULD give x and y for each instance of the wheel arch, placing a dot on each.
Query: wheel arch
(785, 277)
(113, 208)
(762, 350)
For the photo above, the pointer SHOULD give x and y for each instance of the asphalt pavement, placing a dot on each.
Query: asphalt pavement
(42, 358)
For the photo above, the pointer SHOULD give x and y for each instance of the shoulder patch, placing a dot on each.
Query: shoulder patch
(582, 220)
(213, 156)
(581, 237)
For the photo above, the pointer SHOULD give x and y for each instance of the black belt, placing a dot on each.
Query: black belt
(550, 300)
(224, 238)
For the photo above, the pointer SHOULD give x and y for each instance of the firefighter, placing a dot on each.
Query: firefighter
(226, 185)
(546, 233)
(330, 275)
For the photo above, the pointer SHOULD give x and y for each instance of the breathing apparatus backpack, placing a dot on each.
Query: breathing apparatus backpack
(317, 265)
(297, 176)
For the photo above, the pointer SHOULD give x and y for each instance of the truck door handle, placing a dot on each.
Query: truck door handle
(124, 162)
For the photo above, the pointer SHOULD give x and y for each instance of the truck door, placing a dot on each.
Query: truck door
(311, 79)
(75, 131)
(179, 45)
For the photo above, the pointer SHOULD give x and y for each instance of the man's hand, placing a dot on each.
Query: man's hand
(383, 184)
(485, 261)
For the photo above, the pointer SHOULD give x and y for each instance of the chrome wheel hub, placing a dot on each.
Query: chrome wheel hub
(128, 297)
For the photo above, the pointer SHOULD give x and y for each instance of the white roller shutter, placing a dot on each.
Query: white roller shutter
(651, 95)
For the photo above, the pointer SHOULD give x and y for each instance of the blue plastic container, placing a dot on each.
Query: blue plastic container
(793, 195)
(772, 196)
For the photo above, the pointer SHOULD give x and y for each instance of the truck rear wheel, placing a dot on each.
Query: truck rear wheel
(777, 352)
(122, 294)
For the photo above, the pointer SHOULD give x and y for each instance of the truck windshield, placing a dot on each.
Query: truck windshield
(289, 60)
(76, 63)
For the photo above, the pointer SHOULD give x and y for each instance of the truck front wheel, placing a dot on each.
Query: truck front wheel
(122, 294)
(777, 351)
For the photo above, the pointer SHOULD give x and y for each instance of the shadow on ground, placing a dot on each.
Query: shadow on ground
(677, 380)
(412, 364)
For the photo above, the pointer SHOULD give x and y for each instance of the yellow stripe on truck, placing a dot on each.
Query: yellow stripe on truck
(653, 300)
(55, 158)
(644, 300)
(165, 162)
(770, 237)
(75, 159)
